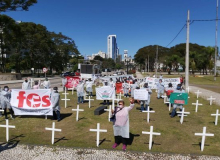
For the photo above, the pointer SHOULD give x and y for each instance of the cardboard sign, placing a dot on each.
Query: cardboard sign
(141, 94)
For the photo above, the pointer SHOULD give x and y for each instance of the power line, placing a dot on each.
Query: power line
(191, 22)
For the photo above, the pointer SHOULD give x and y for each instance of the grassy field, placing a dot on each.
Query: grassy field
(202, 81)
(175, 137)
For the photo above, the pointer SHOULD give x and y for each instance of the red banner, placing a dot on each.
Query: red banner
(72, 82)
(119, 88)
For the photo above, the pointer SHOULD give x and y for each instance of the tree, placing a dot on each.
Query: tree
(13, 5)
(98, 57)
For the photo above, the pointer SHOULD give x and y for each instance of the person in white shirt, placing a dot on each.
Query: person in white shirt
(89, 89)
(46, 84)
(26, 84)
(64, 82)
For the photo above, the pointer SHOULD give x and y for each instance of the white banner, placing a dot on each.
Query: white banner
(141, 94)
(105, 93)
(31, 102)
(153, 81)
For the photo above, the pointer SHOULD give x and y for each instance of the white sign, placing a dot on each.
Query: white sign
(31, 102)
(153, 81)
(105, 93)
(141, 94)
(44, 70)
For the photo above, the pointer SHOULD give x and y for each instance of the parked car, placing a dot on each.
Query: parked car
(68, 74)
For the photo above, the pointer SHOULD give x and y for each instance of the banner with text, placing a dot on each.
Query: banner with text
(153, 81)
(179, 98)
(72, 82)
(119, 88)
(31, 102)
(141, 94)
(105, 93)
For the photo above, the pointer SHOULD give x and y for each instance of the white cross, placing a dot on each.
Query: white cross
(197, 94)
(7, 129)
(109, 112)
(211, 99)
(1, 110)
(53, 129)
(119, 96)
(169, 106)
(216, 117)
(31, 82)
(77, 112)
(65, 99)
(182, 114)
(197, 104)
(151, 133)
(204, 134)
(164, 98)
(72, 90)
(148, 113)
(98, 130)
(89, 101)
(188, 89)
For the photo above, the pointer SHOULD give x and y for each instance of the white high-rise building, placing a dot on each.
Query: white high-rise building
(112, 47)
(125, 54)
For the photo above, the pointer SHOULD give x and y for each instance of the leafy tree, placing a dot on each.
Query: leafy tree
(13, 5)
(98, 57)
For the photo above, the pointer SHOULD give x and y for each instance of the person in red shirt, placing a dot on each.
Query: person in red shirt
(77, 73)
(181, 80)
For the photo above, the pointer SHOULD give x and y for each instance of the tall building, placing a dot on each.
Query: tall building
(125, 54)
(112, 47)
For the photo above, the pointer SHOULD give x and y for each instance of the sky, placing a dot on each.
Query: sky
(136, 23)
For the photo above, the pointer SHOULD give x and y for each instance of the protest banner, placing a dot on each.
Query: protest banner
(141, 94)
(72, 82)
(153, 81)
(179, 98)
(105, 93)
(31, 102)
(119, 88)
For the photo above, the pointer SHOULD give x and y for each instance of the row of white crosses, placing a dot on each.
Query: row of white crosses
(65, 99)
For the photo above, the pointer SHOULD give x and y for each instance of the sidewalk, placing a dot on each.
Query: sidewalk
(205, 93)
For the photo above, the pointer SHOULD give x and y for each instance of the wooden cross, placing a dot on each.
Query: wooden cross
(7, 126)
(197, 104)
(148, 113)
(216, 116)
(151, 133)
(182, 114)
(53, 129)
(65, 99)
(109, 112)
(98, 130)
(211, 99)
(203, 134)
(77, 112)
(197, 94)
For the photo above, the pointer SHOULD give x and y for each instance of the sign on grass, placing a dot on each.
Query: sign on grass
(105, 93)
(31, 102)
(179, 98)
(141, 94)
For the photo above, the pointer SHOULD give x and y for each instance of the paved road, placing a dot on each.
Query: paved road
(16, 84)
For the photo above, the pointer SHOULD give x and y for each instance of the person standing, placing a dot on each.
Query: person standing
(5, 101)
(64, 82)
(26, 84)
(89, 84)
(160, 89)
(55, 101)
(36, 84)
(145, 103)
(80, 91)
(46, 83)
(121, 123)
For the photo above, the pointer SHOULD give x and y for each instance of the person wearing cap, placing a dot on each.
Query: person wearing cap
(80, 91)
(5, 101)
(26, 84)
(55, 101)
(46, 83)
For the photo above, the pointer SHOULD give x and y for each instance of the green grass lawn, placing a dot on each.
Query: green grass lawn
(175, 137)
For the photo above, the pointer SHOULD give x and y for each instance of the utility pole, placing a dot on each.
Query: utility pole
(187, 55)
(148, 63)
(216, 41)
(156, 60)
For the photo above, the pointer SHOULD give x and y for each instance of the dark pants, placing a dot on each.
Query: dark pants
(56, 115)
(106, 101)
(120, 139)
(11, 112)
